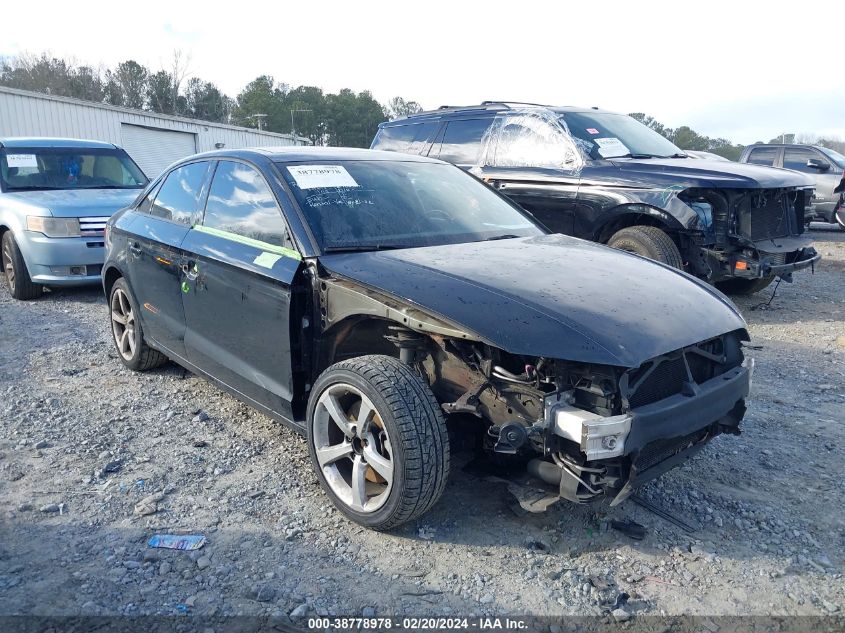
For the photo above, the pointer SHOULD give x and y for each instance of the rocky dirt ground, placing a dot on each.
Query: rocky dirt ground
(95, 459)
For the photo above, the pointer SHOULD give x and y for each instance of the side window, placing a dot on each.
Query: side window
(397, 138)
(462, 141)
(178, 197)
(531, 141)
(240, 201)
(763, 156)
(424, 133)
(146, 205)
(796, 158)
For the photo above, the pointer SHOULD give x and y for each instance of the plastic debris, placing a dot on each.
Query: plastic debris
(177, 541)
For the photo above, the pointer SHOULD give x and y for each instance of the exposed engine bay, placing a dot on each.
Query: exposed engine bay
(588, 431)
(748, 233)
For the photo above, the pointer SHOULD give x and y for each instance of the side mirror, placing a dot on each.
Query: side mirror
(819, 164)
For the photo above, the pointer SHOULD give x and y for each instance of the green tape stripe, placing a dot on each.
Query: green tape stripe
(248, 241)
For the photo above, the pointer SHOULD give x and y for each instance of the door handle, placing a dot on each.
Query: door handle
(134, 249)
(190, 270)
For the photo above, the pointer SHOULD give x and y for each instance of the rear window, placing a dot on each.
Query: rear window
(461, 143)
(763, 156)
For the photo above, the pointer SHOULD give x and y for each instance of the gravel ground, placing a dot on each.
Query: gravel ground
(94, 459)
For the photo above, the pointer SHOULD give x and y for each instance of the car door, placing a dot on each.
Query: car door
(163, 220)
(240, 264)
(826, 175)
(534, 163)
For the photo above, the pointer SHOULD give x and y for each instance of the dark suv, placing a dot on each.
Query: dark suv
(605, 177)
(825, 166)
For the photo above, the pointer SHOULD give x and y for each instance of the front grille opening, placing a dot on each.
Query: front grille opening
(665, 380)
(665, 376)
(766, 216)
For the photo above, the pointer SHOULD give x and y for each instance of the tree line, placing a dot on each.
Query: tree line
(346, 118)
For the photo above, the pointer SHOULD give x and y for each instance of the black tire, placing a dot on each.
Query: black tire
(839, 218)
(15, 272)
(417, 440)
(743, 286)
(132, 349)
(648, 241)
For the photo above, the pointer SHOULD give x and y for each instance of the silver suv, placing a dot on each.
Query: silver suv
(824, 165)
(55, 198)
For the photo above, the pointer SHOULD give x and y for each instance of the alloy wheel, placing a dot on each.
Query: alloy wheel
(8, 267)
(123, 324)
(353, 448)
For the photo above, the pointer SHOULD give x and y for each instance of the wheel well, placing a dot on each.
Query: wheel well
(109, 278)
(353, 337)
(629, 219)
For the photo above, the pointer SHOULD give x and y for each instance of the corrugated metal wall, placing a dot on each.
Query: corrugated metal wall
(31, 114)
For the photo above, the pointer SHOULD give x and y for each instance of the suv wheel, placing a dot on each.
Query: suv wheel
(648, 241)
(127, 334)
(377, 440)
(743, 286)
(14, 270)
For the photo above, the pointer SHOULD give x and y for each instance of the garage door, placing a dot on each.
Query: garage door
(154, 148)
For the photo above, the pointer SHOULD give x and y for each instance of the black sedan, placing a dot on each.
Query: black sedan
(365, 298)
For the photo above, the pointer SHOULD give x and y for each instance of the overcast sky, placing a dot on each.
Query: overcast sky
(746, 71)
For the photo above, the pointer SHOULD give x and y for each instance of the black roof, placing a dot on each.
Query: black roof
(491, 107)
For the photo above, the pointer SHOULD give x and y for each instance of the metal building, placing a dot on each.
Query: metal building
(152, 140)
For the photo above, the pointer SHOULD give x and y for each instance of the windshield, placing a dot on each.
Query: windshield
(604, 135)
(370, 205)
(835, 156)
(34, 168)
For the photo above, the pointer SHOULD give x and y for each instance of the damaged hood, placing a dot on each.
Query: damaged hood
(703, 173)
(551, 295)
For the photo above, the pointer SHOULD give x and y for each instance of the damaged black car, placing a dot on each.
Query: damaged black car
(605, 177)
(368, 299)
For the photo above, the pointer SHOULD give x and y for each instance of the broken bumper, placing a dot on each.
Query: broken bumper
(778, 257)
(651, 439)
(668, 432)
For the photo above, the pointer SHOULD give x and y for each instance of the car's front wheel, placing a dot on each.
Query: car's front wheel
(14, 270)
(743, 286)
(377, 440)
(648, 241)
(127, 334)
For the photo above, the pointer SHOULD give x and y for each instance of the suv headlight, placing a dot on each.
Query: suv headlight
(53, 227)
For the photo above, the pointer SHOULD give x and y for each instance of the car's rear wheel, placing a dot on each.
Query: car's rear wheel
(127, 334)
(377, 440)
(648, 241)
(14, 270)
(743, 286)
